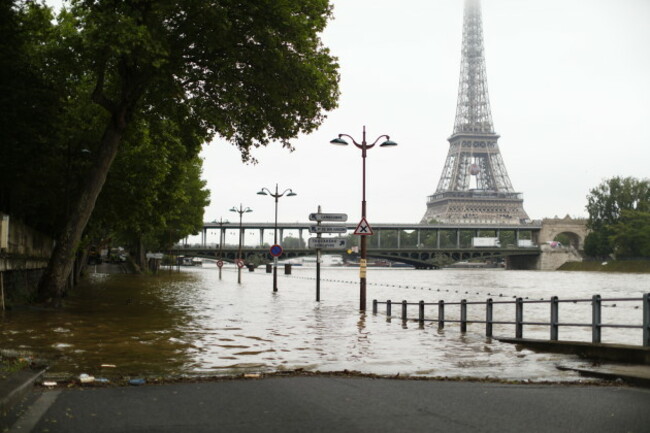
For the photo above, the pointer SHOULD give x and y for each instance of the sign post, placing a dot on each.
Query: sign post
(317, 260)
(319, 242)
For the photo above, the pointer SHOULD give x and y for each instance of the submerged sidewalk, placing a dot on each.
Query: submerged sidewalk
(342, 404)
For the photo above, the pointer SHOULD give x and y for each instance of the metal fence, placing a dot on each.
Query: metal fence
(554, 323)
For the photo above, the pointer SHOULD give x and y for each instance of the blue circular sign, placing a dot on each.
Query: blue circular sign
(276, 250)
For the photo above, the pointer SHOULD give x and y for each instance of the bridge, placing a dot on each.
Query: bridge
(420, 245)
(529, 231)
(420, 258)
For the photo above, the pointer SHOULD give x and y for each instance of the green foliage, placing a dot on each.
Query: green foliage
(142, 85)
(249, 71)
(618, 218)
(631, 236)
(28, 108)
(607, 200)
(597, 244)
(292, 242)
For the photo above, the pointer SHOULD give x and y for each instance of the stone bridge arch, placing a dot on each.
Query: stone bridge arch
(574, 228)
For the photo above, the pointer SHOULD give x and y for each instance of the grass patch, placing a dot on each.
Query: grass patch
(628, 266)
(9, 366)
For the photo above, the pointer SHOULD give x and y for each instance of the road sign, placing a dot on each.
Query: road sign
(327, 243)
(240, 263)
(220, 263)
(341, 217)
(276, 250)
(328, 229)
(363, 228)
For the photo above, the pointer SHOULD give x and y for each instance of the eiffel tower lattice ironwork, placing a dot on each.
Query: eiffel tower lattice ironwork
(474, 186)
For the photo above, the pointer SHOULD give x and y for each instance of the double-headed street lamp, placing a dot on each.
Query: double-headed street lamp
(276, 196)
(364, 146)
(241, 211)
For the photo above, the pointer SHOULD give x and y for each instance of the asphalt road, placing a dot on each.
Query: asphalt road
(339, 404)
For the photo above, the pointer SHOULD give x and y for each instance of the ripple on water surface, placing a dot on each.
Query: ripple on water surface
(193, 323)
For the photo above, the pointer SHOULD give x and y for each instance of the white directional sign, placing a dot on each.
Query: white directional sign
(341, 217)
(328, 229)
(327, 243)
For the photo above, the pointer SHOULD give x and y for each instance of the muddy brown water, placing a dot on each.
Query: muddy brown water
(193, 323)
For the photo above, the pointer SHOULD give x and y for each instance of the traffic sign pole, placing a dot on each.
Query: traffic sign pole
(318, 235)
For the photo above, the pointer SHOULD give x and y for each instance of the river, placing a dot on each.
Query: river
(192, 323)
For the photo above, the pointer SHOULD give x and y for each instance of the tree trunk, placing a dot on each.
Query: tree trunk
(82, 264)
(52, 285)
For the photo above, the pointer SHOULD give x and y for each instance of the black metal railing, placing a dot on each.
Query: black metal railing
(554, 323)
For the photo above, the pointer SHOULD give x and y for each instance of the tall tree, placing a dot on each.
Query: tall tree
(28, 112)
(252, 72)
(631, 236)
(606, 204)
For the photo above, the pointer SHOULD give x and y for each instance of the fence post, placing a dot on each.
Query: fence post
(519, 318)
(646, 319)
(441, 314)
(596, 318)
(374, 306)
(421, 314)
(554, 318)
(489, 310)
(388, 308)
(404, 311)
(463, 315)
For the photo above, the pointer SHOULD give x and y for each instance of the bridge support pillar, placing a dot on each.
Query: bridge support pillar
(261, 237)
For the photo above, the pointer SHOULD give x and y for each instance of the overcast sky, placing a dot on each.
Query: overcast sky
(569, 90)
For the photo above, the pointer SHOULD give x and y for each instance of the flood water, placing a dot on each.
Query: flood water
(192, 323)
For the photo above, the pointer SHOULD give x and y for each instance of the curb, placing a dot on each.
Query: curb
(600, 351)
(631, 379)
(14, 388)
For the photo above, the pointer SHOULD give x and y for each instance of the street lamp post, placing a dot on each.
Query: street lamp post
(241, 211)
(364, 146)
(276, 196)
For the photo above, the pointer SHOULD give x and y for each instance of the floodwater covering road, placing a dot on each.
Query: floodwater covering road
(192, 323)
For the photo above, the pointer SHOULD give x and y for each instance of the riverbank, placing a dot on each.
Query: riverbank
(623, 266)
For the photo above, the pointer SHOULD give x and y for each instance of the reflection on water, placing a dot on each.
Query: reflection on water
(193, 323)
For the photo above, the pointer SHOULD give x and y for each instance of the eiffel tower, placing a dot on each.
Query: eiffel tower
(474, 187)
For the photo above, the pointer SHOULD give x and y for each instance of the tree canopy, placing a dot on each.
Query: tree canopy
(123, 94)
(619, 218)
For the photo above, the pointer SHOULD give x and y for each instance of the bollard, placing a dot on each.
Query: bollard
(269, 268)
(646, 319)
(463, 315)
(554, 318)
(374, 306)
(489, 312)
(404, 311)
(596, 318)
(441, 314)
(388, 308)
(287, 269)
(421, 314)
(519, 318)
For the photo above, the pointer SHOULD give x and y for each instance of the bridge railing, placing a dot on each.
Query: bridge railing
(553, 324)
